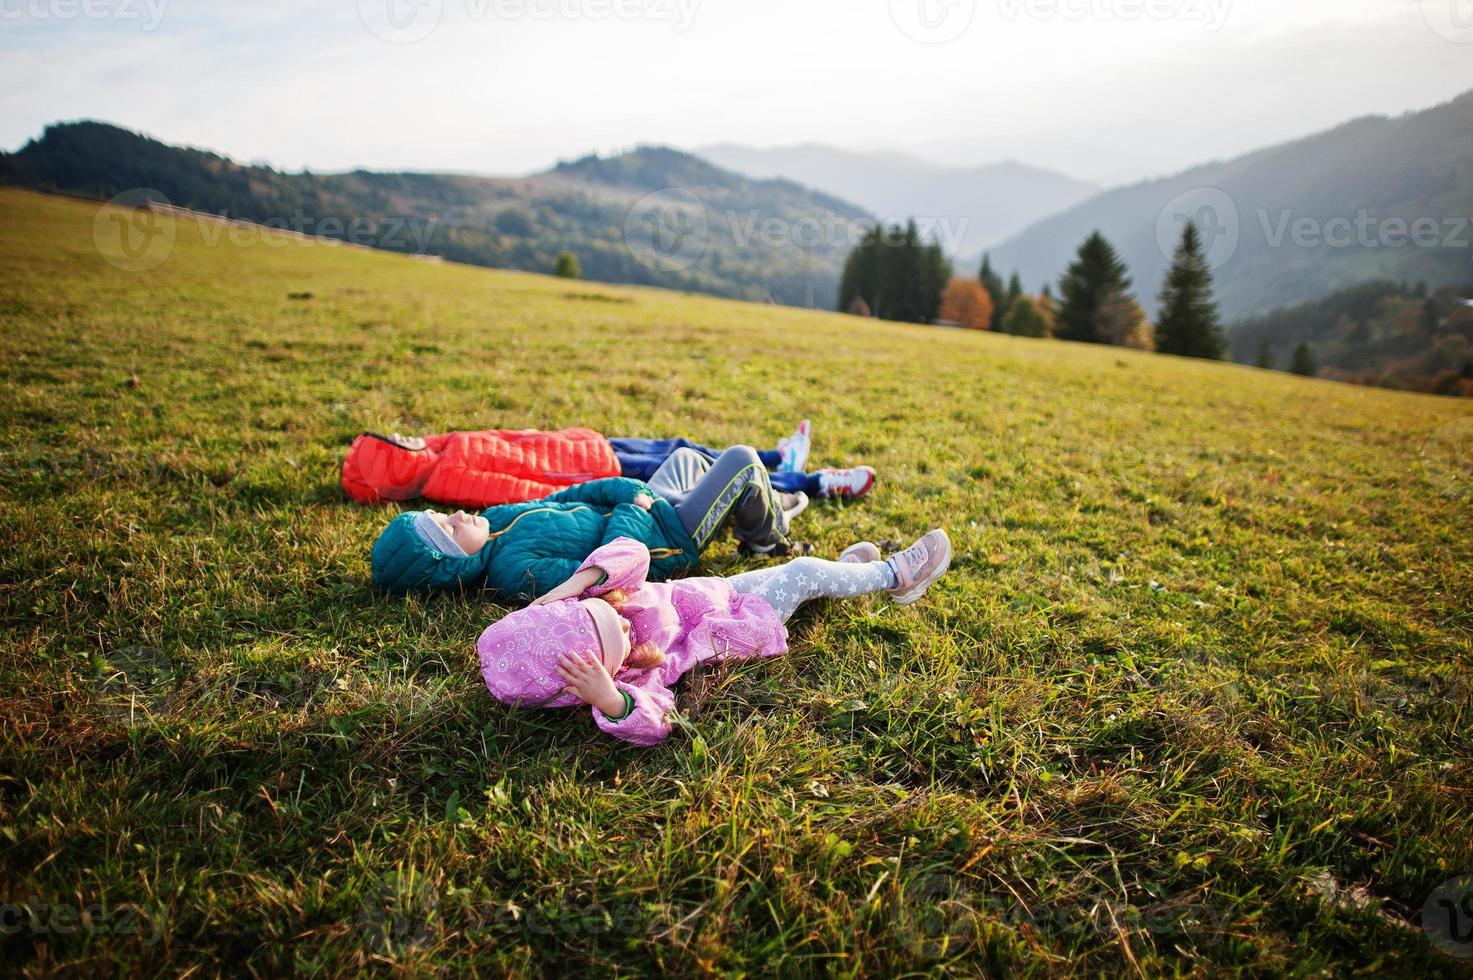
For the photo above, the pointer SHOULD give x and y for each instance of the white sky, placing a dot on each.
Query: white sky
(1107, 90)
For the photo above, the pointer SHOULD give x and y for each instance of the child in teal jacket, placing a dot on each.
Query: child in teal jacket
(519, 551)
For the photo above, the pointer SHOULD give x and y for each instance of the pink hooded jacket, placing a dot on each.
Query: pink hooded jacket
(693, 620)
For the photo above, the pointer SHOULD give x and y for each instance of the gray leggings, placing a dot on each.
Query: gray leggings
(789, 585)
(705, 493)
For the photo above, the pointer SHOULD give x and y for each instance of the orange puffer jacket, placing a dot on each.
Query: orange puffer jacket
(477, 469)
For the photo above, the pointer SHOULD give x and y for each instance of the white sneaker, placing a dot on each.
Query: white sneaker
(864, 551)
(856, 481)
(793, 504)
(920, 565)
(795, 449)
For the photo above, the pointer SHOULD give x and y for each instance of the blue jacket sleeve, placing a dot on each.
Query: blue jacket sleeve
(611, 492)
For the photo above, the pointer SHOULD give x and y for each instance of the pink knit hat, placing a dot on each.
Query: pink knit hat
(606, 624)
(519, 653)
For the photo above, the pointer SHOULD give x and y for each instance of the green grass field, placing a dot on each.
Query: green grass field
(1193, 699)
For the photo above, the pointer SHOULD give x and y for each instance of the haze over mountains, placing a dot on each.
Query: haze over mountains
(653, 216)
(1375, 198)
(979, 206)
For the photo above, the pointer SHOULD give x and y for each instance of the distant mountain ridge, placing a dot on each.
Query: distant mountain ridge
(1296, 212)
(653, 216)
(989, 202)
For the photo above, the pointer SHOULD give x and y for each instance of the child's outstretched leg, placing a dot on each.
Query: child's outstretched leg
(736, 485)
(801, 580)
(905, 575)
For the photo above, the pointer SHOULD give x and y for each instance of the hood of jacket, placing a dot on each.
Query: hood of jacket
(377, 469)
(402, 562)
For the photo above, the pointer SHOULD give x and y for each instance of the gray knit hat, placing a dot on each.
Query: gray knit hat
(431, 533)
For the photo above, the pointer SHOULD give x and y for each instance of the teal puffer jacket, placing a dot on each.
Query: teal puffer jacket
(539, 544)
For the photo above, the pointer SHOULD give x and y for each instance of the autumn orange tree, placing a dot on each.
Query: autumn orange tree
(964, 301)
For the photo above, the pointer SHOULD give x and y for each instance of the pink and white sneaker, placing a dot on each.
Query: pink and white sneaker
(795, 447)
(856, 481)
(920, 565)
(864, 551)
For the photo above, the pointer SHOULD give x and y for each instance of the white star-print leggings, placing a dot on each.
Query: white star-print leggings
(789, 585)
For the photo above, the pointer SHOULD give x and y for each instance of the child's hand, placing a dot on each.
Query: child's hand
(590, 683)
(572, 588)
(644, 501)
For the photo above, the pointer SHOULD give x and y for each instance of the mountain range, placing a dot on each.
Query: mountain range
(1377, 198)
(653, 216)
(967, 208)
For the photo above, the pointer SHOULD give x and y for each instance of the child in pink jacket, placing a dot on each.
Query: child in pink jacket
(611, 640)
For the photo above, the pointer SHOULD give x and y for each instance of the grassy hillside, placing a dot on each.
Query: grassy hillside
(1193, 699)
(1359, 192)
(714, 231)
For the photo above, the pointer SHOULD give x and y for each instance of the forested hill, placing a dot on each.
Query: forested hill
(1381, 333)
(1292, 223)
(706, 230)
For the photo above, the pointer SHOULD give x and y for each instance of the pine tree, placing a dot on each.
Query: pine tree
(1188, 324)
(1026, 318)
(567, 266)
(992, 282)
(1265, 357)
(1093, 285)
(1303, 362)
(1015, 289)
(898, 276)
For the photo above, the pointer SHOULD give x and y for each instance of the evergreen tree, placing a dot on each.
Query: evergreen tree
(1265, 357)
(1188, 324)
(1015, 292)
(1303, 362)
(936, 273)
(1026, 318)
(897, 275)
(992, 282)
(1095, 284)
(861, 277)
(567, 266)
